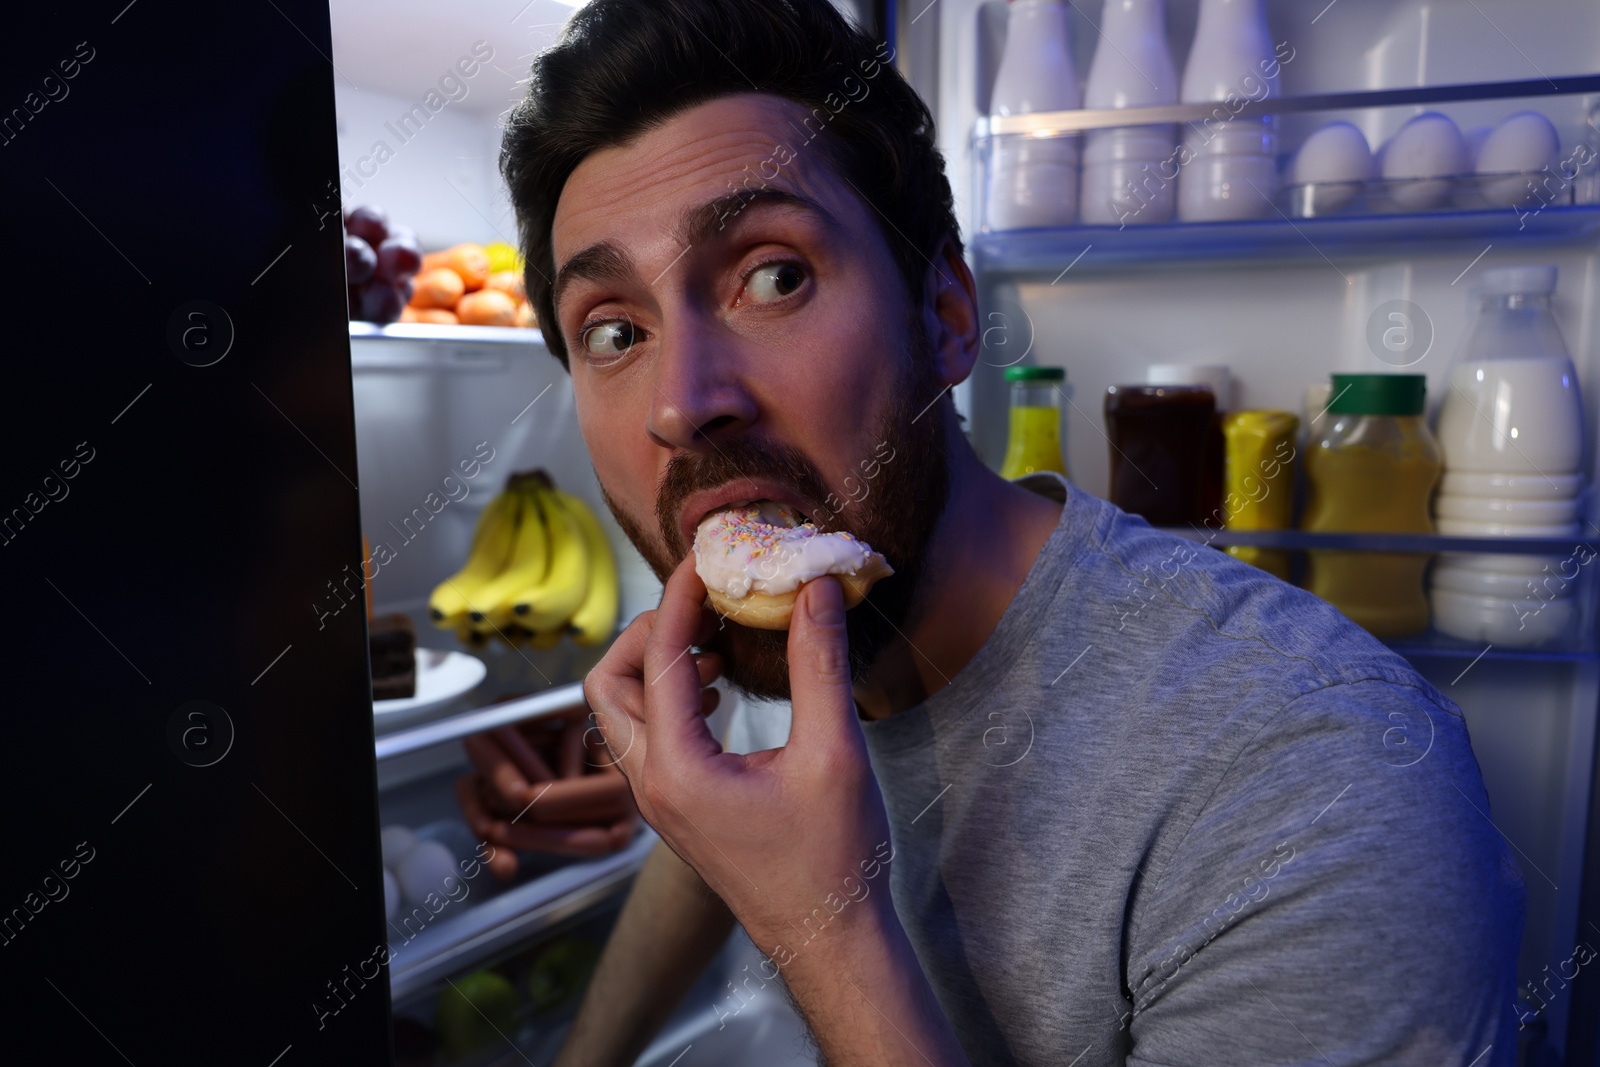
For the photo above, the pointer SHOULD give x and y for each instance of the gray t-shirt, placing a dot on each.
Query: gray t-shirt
(1178, 812)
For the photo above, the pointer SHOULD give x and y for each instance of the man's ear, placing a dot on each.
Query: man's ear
(950, 314)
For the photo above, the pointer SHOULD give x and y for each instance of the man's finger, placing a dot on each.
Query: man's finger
(673, 722)
(819, 666)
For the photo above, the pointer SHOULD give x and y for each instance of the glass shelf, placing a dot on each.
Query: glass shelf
(1581, 644)
(1047, 122)
(1387, 542)
(438, 348)
(556, 700)
(423, 331)
(1306, 223)
(1092, 248)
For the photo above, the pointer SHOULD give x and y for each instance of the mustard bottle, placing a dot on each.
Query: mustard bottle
(1034, 443)
(1258, 482)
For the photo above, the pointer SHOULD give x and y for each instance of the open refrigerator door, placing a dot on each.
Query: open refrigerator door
(1397, 157)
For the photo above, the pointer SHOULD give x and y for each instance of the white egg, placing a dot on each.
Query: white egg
(391, 895)
(1338, 162)
(1420, 159)
(396, 842)
(1522, 144)
(424, 871)
(1336, 153)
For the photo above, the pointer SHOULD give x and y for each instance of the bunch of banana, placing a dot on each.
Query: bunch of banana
(540, 568)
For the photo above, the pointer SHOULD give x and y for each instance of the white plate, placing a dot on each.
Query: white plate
(441, 677)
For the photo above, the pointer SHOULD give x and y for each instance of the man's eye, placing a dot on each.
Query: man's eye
(774, 281)
(610, 338)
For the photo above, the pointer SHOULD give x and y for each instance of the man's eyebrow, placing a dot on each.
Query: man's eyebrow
(700, 224)
(600, 262)
(605, 261)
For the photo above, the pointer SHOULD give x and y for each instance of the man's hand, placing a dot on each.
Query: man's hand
(773, 833)
(781, 835)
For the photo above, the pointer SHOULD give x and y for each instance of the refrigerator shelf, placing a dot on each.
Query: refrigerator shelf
(475, 935)
(1082, 249)
(1389, 542)
(1048, 122)
(1435, 645)
(553, 701)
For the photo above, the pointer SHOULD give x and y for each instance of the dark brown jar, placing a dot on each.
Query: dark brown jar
(1158, 436)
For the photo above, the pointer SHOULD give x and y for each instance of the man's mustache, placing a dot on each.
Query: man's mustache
(730, 461)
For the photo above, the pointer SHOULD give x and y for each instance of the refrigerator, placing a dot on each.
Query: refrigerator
(1284, 299)
(244, 448)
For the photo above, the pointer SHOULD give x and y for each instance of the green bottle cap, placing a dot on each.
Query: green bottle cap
(1035, 374)
(1378, 394)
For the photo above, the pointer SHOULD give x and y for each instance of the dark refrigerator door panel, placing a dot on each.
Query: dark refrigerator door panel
(191, 872)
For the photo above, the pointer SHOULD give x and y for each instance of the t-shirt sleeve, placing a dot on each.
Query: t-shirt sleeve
(1342, 897)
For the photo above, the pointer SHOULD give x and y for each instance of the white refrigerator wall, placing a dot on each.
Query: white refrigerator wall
(1284, 325)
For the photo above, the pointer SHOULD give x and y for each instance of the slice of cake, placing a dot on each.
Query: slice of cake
(393, 642)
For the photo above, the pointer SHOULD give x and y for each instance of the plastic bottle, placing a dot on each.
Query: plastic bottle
(1371, 467)
(1230, 164)
(1258, 481)
(1035, 440)
(1129, 173)
(1511, 429)
(1033, 181)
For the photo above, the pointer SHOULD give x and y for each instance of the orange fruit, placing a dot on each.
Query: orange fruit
(437, 288)
(487, 307)
(435, 316)
(525, 316)
(471, 262)
(508, 282)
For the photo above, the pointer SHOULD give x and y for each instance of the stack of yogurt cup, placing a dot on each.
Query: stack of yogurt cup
(1511, 430)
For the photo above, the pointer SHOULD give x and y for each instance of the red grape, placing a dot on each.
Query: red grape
(369, 223)
(353, 294)
(399, 259)
(381, 302)
(360, 261)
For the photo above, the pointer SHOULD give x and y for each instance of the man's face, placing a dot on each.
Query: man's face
(737, 330)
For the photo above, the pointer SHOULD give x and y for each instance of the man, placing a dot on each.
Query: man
(1134, 801)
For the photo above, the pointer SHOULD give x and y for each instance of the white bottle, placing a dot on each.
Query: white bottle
(1511, 431)
(1230, 164)
(1130, 173)
(1033, 181)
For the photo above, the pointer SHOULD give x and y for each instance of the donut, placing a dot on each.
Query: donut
(755, 557)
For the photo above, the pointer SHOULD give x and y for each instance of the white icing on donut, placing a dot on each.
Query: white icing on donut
(767, 547)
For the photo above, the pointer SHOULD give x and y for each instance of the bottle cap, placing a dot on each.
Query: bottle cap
(1378, 394)
(1035, 374)
(1214, 375)
(1508, 281)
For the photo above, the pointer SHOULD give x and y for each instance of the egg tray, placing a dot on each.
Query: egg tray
(1522, 193)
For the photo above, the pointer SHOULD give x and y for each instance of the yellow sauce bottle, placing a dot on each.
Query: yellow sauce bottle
(1373, 470)
(1258, 482)
(1034, 443)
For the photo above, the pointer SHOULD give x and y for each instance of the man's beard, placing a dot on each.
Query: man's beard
(895, 496)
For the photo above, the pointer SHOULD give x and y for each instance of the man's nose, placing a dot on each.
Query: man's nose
(699, 390)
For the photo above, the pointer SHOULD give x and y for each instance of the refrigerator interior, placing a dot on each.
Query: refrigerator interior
(1284, 304)
(1282, 316)
(419, 137)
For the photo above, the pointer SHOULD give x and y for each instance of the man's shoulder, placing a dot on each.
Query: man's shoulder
(1167, 600)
